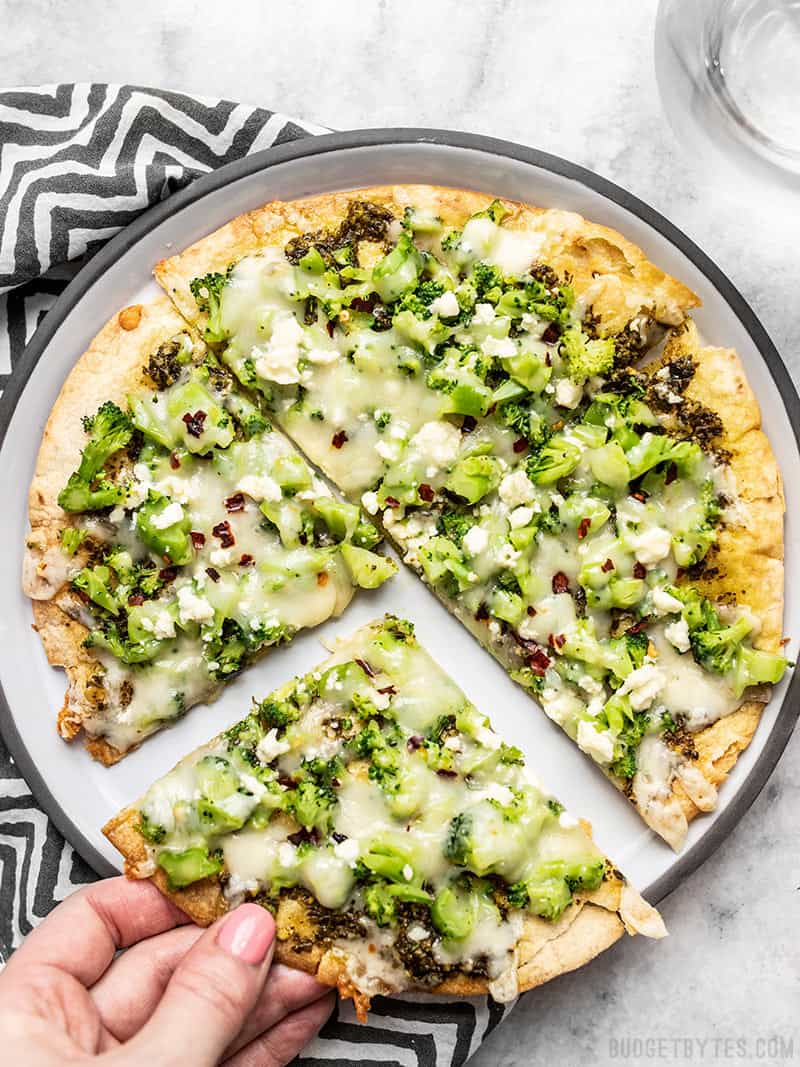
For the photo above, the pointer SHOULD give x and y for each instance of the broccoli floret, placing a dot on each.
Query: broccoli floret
(150, 830)
(586, 358)
(88, 489)
(207, 292)
(756, 667)
(524, 421)
(71, 539)
(418, 302)
(379, 903)
(458, 843)
(625, 766)
(277, 714)
(716, 648)
(454, 524)
(487, 281)
(126, 651)
(311, 805)
(637, 644)
(553, 461)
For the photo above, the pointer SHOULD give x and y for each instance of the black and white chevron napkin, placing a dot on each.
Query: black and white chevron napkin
(77, 163)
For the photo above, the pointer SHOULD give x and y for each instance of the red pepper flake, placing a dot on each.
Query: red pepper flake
(198, 539)
(426, 493)
(322, 579)
(246, 560)
(679, 573)
(339, 438)
(531, 610)
(212, 573)
(638, 626)
(672, 474)
(286, 781)
(468, 423)
(414, 742)
(547, 360)
(329, 327)
(223, 531)
(393, 502)
(639, 570)
(194, 423)
(560, 583)
(640, 495)
(168, 574)
(390, 689)
(365, 304)
(538, 661)
(300, 837)
(520, 444)
(551, 334)
(583, 528)
(235, 502)
(446, 774)
(556, 641)
(607, 566)
(482, 613)
(135, 599)
(174, 460)
(365, 667)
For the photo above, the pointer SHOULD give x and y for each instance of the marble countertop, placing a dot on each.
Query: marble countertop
(576, 78)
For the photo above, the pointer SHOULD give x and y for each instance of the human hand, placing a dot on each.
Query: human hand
(178, 996)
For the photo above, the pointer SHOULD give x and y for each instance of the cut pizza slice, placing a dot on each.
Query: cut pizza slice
(463, 368)
(400, 843)
(175, 535)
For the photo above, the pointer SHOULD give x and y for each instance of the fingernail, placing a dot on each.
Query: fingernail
(247, 933)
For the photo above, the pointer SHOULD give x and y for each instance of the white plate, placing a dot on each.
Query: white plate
(78, 793)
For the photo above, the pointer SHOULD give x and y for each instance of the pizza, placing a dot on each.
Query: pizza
(175, 534)
(399, 842)
(480, 377)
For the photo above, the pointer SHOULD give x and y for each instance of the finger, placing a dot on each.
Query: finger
(84, 932)
(211, 992)
(130, 990)
(285, 992)
(283, 1042)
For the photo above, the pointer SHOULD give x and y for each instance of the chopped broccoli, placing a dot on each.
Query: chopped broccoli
(458, 844)
(756, 667)
(127, 651)
(94, 583)
(88, 489)
(487, 281)
(716, 648)
(637, 644)
(276, 714)
(150, 830)
(586, 358)
(71, 539)
(454, 524)
(311, 805)
(524, 421)
(207, 292)
(553, 461)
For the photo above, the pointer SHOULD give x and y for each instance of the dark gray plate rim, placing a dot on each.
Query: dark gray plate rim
(789, 711)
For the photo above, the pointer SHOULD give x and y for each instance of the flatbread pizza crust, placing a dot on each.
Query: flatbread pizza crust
(110, 368)
(592, 923)
(612, 273)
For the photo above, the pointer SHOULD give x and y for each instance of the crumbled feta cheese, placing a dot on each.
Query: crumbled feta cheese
(287, 854)
(642, 686)
(408, 872)
(117, 515)
(677, 633)
(502, 347)
(506, 555)
(516, 488)
(417, 932)
(370, 502)
(520, 517)
(171, 514)
(590, 685)
(380, 700)
(163, 625)
(567, 821)
(347, 850)
(483, 315)
(665, 603)
(220, 557)
(652, 545)
(387, 450)
(260, 487)
(445, 306)
(439, 442)
(599, 744)
(568, 393)
(475, 540)
(193, 608)
(279, 362)
(270, 747)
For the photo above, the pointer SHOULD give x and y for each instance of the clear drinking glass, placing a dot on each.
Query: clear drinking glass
(729, 76)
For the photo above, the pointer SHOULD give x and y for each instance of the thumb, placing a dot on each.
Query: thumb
(211, 992)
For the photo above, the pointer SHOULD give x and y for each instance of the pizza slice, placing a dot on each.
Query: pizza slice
(175, 535)
(465, 368)
(399, 842)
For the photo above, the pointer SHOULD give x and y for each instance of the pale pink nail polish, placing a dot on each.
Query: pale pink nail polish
(247, 933)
